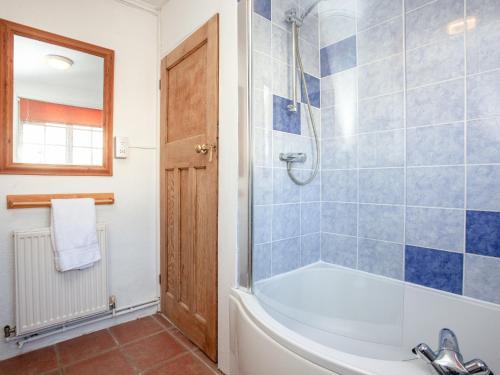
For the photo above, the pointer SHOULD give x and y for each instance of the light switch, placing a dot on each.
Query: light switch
(121, 147)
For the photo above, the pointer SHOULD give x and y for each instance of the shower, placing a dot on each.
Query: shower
(296, 21)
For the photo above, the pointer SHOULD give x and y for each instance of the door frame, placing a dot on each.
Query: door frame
(209, 30)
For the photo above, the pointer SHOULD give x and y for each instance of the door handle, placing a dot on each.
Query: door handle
(206, 149)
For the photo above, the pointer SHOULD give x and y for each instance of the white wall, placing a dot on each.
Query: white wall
(133, 34)
(178, 19)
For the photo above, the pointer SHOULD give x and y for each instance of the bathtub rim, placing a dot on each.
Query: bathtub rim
(321, 355)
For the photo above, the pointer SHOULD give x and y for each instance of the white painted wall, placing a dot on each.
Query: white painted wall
(133, 34)
(178, 19)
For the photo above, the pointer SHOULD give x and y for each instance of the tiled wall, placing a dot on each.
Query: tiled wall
(286, 217)
(410, 136)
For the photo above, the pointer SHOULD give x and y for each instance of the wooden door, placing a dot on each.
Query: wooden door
(189, 176)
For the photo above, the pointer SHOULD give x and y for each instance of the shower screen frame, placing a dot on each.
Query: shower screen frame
(245, 142)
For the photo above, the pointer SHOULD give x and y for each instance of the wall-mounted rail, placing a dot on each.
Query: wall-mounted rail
(43, 200)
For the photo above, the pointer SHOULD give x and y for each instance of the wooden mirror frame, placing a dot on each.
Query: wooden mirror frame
(7, 165)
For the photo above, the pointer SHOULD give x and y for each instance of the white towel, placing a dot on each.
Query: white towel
(74, 233)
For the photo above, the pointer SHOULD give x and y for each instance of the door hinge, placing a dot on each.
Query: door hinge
(159, 279)
(159, 84)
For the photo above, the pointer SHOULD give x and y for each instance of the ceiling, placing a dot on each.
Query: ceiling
(84, 81)
(156, 3)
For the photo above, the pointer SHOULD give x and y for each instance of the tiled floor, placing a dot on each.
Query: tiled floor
(149, 345)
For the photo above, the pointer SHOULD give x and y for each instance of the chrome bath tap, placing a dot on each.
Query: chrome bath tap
(448, 360)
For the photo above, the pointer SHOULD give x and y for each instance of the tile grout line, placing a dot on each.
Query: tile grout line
(356, 28)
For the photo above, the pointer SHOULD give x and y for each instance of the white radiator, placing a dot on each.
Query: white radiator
(46, 297)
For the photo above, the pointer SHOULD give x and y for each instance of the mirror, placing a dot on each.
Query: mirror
(57, 97)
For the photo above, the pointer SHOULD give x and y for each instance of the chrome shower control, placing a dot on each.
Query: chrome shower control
(293, 157)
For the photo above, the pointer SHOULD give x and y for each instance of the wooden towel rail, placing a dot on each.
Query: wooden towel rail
(43, 200)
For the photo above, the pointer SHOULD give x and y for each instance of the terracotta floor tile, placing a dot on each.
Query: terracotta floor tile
(110, 363)
(85, 346)
(163, 321)
(35, 362)
(135, 329)
(151, 350)
(183, 339)
(202, 356)
(185, 365)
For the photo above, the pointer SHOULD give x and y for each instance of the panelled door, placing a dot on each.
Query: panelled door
(189, 176)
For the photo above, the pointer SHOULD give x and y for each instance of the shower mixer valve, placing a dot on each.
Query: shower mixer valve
(448, 360)
(293, 157)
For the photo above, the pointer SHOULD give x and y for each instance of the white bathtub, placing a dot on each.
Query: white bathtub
(325, 319)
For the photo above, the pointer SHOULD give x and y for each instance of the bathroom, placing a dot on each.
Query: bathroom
(274, 186)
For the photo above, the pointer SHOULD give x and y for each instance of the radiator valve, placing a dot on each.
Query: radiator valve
(9, 331)
(112, 302)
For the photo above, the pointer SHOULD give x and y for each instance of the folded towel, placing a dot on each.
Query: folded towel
(74, 233)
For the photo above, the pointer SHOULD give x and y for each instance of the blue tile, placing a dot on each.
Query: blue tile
(382, 149)
(435, 145)
(381, 77)
(281, 45)
(380, 41)
(483, 141)
(261, 35)
(482, 278)
(283, 119)
(486, 11)
(284, 189)
(381, 113)
(310, 218)
(483, 95)
(436, 186)
(263, 147)
(281, 82)
(340, 90)
(262, 7)
(285, 255)
(339, 153)
(435, 228)
(426, 25)
(339, 185)
(381, 222)
(262, 182)
(341, 250)
(334, 28)
(286, 221)
(436, 104)
(384, 186)
(339, 218)
(482, 48)
(414, 4)
(483, 189)
(373, 12)
(263, 75)
(313, 88)
(310, 249)
(310, 58)
(262, 224)
(339, 121)
(483, 233)
(381, 258)
(434, 268)
(440, 61)
(338, 57)
(310, 192)
(261, 262)
(307, 130)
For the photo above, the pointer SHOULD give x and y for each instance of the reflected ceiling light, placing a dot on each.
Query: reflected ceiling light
(458, 26)
(58, 62)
